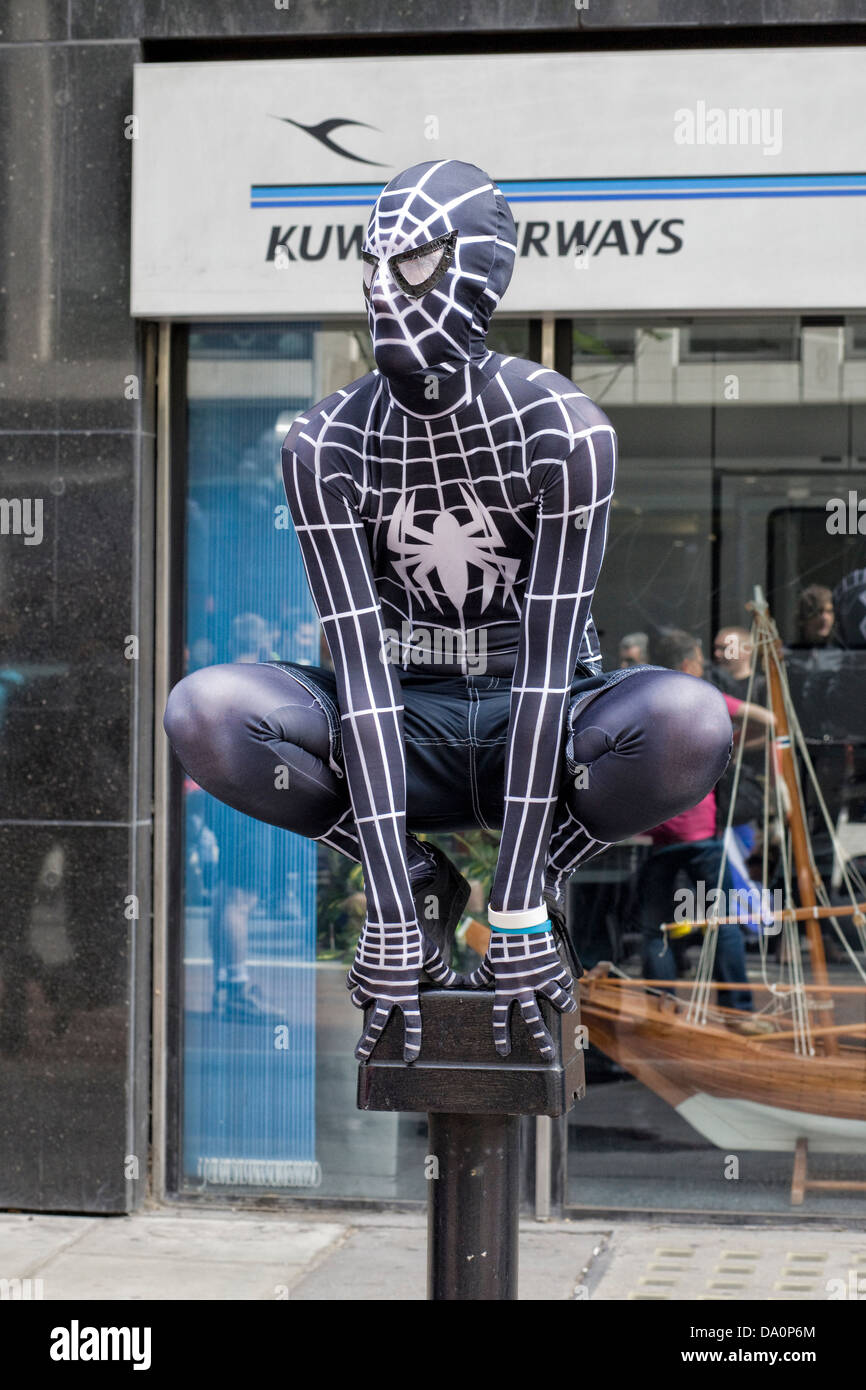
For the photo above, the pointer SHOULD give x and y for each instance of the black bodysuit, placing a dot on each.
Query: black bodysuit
(491, 519)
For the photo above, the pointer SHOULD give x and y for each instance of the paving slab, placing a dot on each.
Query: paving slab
(235, 1240)
(553, 1262)
(387, 1262)
(772, 1264)
(89, 1277)
(26, 1242)
(373, 1263)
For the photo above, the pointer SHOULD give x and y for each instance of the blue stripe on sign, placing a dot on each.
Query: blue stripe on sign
(717, 184)
(312, 203)
(587, 190)
(318, 189)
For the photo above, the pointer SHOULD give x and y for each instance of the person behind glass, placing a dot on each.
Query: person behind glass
(688, 845)
(829, 705)
(816, 618)
(238, 888)
(633, 650)
(733, 653)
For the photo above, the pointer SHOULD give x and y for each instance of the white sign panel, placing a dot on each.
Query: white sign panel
(687, 180)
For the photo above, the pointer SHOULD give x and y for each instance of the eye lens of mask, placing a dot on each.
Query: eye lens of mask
(369, 271)
(416, 269)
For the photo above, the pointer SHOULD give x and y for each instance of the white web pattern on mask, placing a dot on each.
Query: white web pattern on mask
(555, 611)
(402, 228)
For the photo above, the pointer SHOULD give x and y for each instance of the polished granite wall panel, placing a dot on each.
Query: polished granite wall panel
(91, 19)
(249, 18)
(68, 616)
(76, 714)
(67, 342)
(30, 127)
(633, 14)
(75, 833)
(94, 325)
(65, 967)
(28, 21)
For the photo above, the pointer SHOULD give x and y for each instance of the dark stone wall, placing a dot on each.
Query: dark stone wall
(88, 20)
(76, 442)
(77, 438)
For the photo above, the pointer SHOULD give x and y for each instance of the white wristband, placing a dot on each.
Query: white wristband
(529, 917)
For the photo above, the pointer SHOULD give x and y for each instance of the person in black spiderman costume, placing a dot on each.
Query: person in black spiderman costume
(452, 493)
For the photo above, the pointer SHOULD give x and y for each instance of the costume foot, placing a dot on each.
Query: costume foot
(240, 1002)
(445, 894)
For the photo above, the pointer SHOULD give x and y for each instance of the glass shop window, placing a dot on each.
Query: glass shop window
(727, 1065)
(249, 938)
(268, 1076)
(715, 495)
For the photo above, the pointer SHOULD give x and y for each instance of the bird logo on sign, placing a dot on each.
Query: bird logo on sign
(323, 131)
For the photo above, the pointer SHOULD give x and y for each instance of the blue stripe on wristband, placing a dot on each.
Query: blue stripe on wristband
(523, 931)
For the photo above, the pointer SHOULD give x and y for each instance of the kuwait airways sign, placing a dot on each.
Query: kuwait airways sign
(686, 180)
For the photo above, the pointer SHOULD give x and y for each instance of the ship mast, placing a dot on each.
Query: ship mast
(808, 878)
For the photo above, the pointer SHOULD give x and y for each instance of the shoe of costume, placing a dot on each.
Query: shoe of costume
(449, 893)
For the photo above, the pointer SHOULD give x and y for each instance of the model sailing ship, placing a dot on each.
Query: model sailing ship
(792, 1074)
(803, 1077)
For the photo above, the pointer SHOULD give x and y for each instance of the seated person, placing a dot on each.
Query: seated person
(689, 843)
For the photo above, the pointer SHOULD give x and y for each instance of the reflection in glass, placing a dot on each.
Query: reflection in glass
(716, 494)
(250, 920)
(669, 1097)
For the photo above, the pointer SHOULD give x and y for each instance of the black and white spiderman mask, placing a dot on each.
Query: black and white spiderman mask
(438, 256)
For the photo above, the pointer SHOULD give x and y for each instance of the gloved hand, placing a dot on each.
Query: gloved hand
(519, 966)
(385, 972)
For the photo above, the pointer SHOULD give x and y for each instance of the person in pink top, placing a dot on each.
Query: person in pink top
(688, 846)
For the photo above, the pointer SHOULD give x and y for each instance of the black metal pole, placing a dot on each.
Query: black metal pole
(473, 1207)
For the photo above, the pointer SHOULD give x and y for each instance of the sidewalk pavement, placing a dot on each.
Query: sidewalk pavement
(332, 1255)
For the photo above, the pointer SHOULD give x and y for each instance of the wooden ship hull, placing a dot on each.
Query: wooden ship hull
(738, 1091)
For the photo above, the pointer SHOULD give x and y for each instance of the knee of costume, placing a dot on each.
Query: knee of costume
(198, 709)
(231, 724)
(652, 746)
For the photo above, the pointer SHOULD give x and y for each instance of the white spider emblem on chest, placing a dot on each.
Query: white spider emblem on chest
(449, 549)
